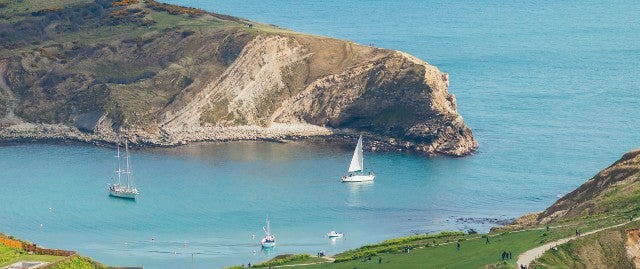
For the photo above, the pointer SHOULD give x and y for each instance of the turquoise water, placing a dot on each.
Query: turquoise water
(551, 90)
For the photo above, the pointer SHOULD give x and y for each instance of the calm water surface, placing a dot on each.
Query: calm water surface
(551, 90)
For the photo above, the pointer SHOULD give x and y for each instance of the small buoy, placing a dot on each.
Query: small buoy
(41, 225)
(50, 209)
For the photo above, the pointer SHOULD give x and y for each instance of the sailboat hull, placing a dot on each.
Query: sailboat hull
(268, 244)
(358, 178)
(123, 195)
(127, 193)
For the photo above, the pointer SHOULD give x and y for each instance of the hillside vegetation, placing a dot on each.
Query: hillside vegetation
(606, 249)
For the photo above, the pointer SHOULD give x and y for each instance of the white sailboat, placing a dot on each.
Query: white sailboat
(334, 234)
(126, 189)
(356, 168)
(269, 240)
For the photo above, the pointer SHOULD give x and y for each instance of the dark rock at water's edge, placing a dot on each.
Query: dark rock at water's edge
(107, 69)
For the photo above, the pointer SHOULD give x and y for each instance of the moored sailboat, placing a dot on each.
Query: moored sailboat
(124, 189)
(269, 240)
(356, 168)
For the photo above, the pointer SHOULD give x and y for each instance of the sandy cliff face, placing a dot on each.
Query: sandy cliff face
(279, 79)
(633, 246)
(173, 85)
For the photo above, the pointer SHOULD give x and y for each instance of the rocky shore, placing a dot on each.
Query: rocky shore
(283, 133)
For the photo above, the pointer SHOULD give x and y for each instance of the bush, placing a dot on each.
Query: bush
(78, 263)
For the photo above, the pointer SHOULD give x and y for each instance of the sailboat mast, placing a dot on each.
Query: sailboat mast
(128, 171)
(119, 171)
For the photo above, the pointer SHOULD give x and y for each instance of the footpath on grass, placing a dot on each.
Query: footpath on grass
(328, 259)
(528, 256)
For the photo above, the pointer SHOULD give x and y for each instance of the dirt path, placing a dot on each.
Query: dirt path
(528, 256)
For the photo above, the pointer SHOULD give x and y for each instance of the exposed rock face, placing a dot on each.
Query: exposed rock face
(633, 246)
(171, 86)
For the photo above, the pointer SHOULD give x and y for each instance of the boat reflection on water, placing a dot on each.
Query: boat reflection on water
(355, 190)
(335, 240)
(267, 251)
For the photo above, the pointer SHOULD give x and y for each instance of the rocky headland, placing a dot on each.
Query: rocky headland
(167, 75)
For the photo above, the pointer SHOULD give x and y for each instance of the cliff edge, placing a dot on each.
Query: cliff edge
(166, 75)
(613, 191)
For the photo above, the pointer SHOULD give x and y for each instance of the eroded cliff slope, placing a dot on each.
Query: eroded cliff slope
(162, 74)
(614, 191)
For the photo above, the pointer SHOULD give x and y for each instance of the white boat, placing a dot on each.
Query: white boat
(269, 240)
(334, 234)
(124, 189)
(356, 168)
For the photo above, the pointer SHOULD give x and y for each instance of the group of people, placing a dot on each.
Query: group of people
(368, 258)
(506, 255)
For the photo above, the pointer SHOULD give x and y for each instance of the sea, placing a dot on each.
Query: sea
(551, 90)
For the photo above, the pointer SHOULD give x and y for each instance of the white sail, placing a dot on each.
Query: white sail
(357, 162)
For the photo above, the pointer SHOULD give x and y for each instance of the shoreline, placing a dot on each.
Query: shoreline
(23, 133)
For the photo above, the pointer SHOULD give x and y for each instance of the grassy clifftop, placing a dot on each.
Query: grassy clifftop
(68, 57)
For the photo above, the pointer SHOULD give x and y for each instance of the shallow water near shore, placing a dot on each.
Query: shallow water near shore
(551, 91)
